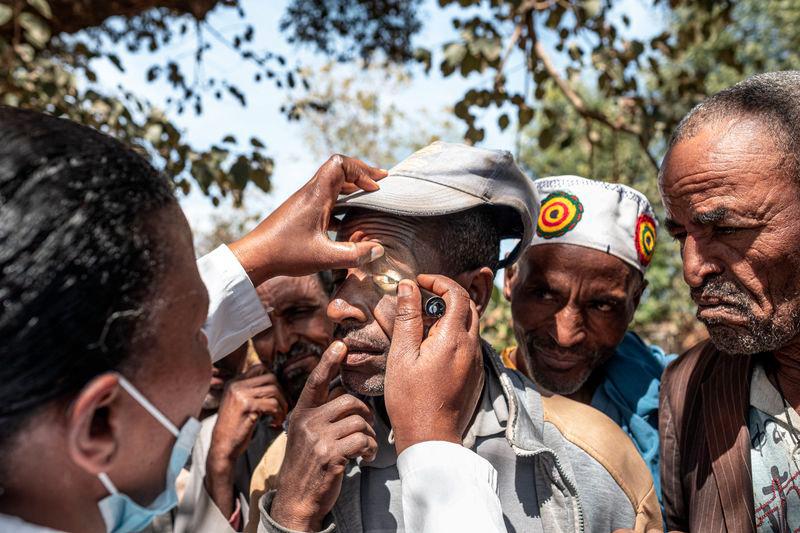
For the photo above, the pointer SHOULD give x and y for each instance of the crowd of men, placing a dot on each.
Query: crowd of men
(336, 403)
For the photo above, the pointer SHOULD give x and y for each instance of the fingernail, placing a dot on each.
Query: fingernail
(338, 347)
(376, 253)
(404, 289)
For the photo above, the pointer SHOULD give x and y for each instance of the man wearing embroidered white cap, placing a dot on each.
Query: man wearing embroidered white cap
(573, 294)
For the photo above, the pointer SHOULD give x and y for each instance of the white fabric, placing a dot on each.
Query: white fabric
(12, 524)
(447, 487)
(235, 313)
(608, 217)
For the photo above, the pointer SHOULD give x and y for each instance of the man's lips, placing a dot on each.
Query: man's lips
(558, 361)
(721, 313)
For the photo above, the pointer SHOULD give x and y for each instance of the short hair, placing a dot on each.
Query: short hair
(464, 241)
(77, 261)
(468, 240)
(773, 98)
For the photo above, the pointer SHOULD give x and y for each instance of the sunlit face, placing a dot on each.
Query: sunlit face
(734, 206)
(571, 306)
(364, 302)
(300, 330)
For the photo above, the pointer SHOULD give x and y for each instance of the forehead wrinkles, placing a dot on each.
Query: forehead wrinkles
(286, 289)
(388, 229)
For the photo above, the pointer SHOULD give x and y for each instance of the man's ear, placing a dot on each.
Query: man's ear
(509, 273)
(638, 296)
(479, 284)
(91, 425)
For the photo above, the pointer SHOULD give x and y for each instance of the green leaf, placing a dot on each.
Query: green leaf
(257, 143)
(503, 121)
(42, 7)
(5, 14)
(230, 139)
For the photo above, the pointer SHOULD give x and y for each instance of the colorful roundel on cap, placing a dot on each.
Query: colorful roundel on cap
(559, 213)
(645, 239)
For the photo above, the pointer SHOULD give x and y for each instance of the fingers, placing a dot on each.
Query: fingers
(255, 370)
(408, 325)
(456, 298)
(344, 406)
(315, 392)
(338, 255)
(269, 406)
(272, 392)
(358, 445)
(343, 175)
(352, 424)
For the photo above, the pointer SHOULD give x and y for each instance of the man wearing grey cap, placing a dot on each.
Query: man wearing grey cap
(556, 465)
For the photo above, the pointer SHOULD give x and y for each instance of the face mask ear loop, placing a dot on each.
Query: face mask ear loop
(149, 407)
(106, 481)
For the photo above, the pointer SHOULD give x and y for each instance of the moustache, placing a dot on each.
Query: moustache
(299, 348)
(356, 335)
(726, 291)
(548, 344)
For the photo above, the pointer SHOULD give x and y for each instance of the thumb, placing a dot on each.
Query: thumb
(339, 255)
(408, 326)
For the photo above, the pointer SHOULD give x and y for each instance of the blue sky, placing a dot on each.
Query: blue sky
(294, 164)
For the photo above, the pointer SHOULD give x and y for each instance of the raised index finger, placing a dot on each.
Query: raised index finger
(315, 392)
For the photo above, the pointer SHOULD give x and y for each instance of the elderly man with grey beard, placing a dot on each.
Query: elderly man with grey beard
(729, 424)
(253, 405)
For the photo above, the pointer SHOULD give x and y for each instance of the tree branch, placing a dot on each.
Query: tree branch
(577, 102)
(509, 48)
(72, 16)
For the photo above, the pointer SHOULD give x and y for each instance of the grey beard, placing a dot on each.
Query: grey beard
(759, 335)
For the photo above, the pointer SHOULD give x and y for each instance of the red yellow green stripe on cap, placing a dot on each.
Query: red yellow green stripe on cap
(645, 239)
(559, 213)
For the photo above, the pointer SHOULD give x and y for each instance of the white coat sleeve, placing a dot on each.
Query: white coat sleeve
(447, 487)
(235, 313)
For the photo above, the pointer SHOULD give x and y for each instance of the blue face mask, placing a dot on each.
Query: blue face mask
(120, 513)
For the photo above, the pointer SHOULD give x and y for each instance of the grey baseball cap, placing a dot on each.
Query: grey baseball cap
(445, 178)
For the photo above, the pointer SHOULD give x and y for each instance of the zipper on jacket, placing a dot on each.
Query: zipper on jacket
(512, 403)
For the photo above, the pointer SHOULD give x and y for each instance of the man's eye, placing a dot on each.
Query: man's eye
(385, 282)
(542, 294)
(300, 312)
(725, 230)
(604, 307)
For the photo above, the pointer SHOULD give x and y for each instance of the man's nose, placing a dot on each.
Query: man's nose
(284, 338)
(348, 304)
(698, 263)
(567, 329)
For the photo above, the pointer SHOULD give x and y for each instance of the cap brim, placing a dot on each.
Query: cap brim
(402, 195)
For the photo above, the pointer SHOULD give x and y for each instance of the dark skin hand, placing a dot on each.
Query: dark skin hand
(323, 435)
(246, 399)
(293, 240)
(440, 375)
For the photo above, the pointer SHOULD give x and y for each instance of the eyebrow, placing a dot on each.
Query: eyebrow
(703, 219)
(710, 217)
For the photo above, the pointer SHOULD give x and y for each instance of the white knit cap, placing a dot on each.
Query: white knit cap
(609, 217)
